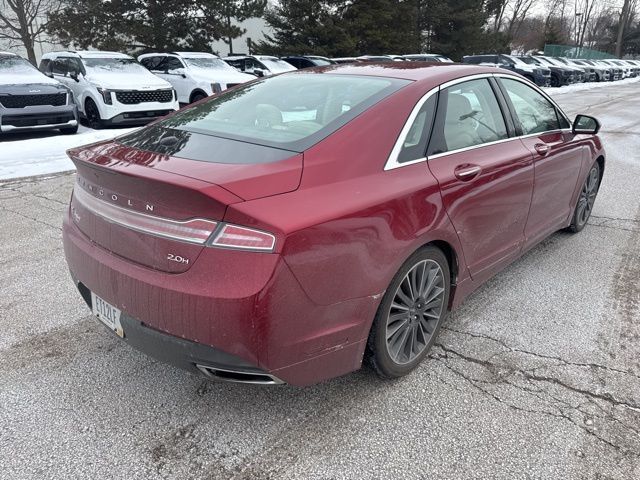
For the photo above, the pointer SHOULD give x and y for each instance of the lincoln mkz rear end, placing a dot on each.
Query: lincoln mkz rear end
(227, 238)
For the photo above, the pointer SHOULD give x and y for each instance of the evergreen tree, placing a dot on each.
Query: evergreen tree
(455, 27)
(306, 27)
(144, 25)
(383, 26)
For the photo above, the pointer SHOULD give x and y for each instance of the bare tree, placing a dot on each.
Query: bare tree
(23, 21)
(519, 9)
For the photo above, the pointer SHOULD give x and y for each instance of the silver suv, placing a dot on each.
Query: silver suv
(30, 100)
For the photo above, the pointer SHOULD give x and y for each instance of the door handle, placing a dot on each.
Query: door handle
(542, 148)
(467, 172)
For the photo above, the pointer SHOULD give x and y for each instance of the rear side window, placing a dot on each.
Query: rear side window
(288, 111)
(468, 115)
(535, 113)
(415, 143)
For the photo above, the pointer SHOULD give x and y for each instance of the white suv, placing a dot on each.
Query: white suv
(194, 75)
(111, 88)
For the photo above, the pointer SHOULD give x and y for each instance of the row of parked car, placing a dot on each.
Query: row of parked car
(110, 88)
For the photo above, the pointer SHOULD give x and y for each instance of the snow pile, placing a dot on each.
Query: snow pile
(578, 87)
(43, 153)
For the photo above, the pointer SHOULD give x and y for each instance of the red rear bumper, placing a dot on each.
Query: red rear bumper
(246, 306)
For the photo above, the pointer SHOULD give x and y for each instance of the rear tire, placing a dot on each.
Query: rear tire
(410, 314)
(69, 130)
(586, 199)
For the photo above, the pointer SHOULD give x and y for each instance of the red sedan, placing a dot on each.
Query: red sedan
(285, 229)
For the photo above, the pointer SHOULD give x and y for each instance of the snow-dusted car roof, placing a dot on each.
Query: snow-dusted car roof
(195, 54)
(8, 53)
(88, 54)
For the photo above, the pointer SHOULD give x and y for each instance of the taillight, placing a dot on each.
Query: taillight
(243, 238)
(197, 230)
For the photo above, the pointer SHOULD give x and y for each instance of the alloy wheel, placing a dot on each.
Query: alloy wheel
(588, 196)
(415, 311)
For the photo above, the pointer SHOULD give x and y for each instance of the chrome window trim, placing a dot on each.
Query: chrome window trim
(472, 147)
(392, 161)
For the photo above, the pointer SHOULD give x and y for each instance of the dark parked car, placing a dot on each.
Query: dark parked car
(29, 100)
(308, 61)
(539, 75)
(560, 75)
(589, 73)
(205, 240)
(577, 74)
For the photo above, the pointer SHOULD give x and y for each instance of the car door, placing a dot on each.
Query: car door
(485, 174)
(173, 71)
(557, 158)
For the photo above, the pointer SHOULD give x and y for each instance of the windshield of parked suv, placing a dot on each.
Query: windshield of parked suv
(276, 65)
(290, 111)
(15, 64)
(124, 65)
(209, 63)
(529, 60)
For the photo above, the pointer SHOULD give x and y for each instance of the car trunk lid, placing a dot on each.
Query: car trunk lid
(137, 204)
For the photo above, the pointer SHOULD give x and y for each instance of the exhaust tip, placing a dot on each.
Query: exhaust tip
(234, 376)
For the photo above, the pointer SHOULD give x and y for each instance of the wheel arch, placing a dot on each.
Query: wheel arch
(197, 91)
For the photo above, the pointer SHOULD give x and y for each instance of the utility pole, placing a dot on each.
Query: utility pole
(623, 20)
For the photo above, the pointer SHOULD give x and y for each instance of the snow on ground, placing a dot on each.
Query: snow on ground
(30, 154)
(27, 154)
(579, 87)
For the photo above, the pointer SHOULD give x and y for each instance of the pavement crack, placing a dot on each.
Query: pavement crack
(30, 218)
(540, 355)
(541, 394)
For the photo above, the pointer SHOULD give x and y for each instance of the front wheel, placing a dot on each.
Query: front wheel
(586, 199)
(93, 114)
(410, 314)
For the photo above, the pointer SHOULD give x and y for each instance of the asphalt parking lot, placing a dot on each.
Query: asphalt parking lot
(536, 376)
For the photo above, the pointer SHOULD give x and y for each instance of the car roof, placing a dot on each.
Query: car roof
(181, 54)
(87, 54)
(195, 54)
(9, 53)
(436, 73)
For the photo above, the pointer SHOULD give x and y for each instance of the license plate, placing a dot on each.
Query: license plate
(107, 314)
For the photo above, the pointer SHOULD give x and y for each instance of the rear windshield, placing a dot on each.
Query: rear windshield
(292, 111)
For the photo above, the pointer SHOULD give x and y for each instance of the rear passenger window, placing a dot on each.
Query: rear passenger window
(468, 115)
(415, 143)
(535, 113)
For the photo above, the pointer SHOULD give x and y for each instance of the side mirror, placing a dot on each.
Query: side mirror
(49, 74)
(74, 76)
(586, 125)
(259, 72)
